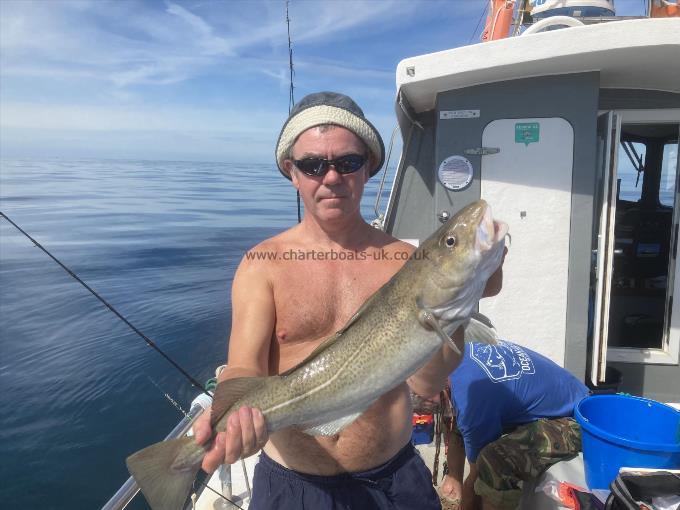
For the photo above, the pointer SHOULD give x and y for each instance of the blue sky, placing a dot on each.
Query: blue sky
(201, 79)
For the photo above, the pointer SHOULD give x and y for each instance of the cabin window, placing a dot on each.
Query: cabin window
(629, 178)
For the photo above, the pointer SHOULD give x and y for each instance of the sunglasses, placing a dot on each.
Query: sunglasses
(318, 167)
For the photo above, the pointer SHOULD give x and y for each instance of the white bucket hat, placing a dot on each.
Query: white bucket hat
(328, 108)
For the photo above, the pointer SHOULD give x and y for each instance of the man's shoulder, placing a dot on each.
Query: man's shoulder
(272, 245)
(257, 260)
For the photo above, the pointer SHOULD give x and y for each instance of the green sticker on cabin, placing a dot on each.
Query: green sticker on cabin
(526, 132)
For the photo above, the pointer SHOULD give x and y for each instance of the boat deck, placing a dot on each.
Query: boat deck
(211, 499)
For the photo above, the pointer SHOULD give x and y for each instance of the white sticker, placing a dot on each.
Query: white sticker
(455, 173)
(459, 114)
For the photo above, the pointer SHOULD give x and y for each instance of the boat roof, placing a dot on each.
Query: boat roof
(630, 54)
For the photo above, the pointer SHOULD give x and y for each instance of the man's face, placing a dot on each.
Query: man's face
(331, 196)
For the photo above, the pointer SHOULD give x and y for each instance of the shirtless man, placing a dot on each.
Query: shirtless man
(283, 309)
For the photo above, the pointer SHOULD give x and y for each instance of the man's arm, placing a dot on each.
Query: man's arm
(431, 378)
(468, 501)
(253, 318)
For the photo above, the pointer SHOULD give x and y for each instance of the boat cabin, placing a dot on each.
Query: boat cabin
(572, 136)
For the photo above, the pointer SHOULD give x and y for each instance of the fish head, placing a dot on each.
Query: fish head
(461, 256)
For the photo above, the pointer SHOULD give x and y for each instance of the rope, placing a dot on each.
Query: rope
(149, 342)
(443, 411)
(437, 439)
(211, 385)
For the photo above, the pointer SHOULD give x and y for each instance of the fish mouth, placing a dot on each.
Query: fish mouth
(500, 230)
(490, 231)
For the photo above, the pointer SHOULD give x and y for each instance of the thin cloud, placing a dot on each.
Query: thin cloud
(159, 72)
(128, 43)
(208, 41)
(343, 69)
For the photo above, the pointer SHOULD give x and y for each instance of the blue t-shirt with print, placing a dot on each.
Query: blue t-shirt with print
(497, 387)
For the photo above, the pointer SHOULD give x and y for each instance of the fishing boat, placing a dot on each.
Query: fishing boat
(572, 136)
(570, 130)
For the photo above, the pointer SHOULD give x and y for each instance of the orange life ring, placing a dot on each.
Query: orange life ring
(664, 9)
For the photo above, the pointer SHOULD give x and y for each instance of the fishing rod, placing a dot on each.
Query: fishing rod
(291, 96)
(149, 342)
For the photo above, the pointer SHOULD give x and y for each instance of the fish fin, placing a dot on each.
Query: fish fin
(332, 427)
(476, 331)
(480, 317)
(328, 342)
(318, 350)
(229, 392)
(427, 318)
(453, 345)
(358, 313)
(165, 487)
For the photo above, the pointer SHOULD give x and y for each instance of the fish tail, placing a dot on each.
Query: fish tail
(165, 480)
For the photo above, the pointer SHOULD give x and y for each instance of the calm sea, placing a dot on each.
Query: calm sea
(160, 241)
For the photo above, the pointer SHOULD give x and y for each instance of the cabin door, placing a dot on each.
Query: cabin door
(607, 136)
(635, 318)
(526, 178)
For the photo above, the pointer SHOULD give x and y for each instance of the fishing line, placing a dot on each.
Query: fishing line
(149, 342)
(168, 397)
(206, 486)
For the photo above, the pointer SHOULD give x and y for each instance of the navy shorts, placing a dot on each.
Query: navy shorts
(403, 482)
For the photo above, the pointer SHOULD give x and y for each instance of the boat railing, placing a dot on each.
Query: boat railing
(379, 220)
(129, 489)
(591, 20)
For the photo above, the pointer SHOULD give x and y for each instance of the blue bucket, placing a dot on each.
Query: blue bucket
(625, 431)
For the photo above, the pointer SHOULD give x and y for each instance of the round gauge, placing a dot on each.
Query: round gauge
(455, 173)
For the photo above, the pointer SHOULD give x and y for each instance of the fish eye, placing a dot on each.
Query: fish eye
(450, 241)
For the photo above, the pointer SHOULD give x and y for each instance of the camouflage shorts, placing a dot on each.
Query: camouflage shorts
(522, 455)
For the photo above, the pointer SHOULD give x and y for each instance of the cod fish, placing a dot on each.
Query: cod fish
(394, 333)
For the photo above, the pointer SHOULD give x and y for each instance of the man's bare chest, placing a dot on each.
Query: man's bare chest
(313, 301)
